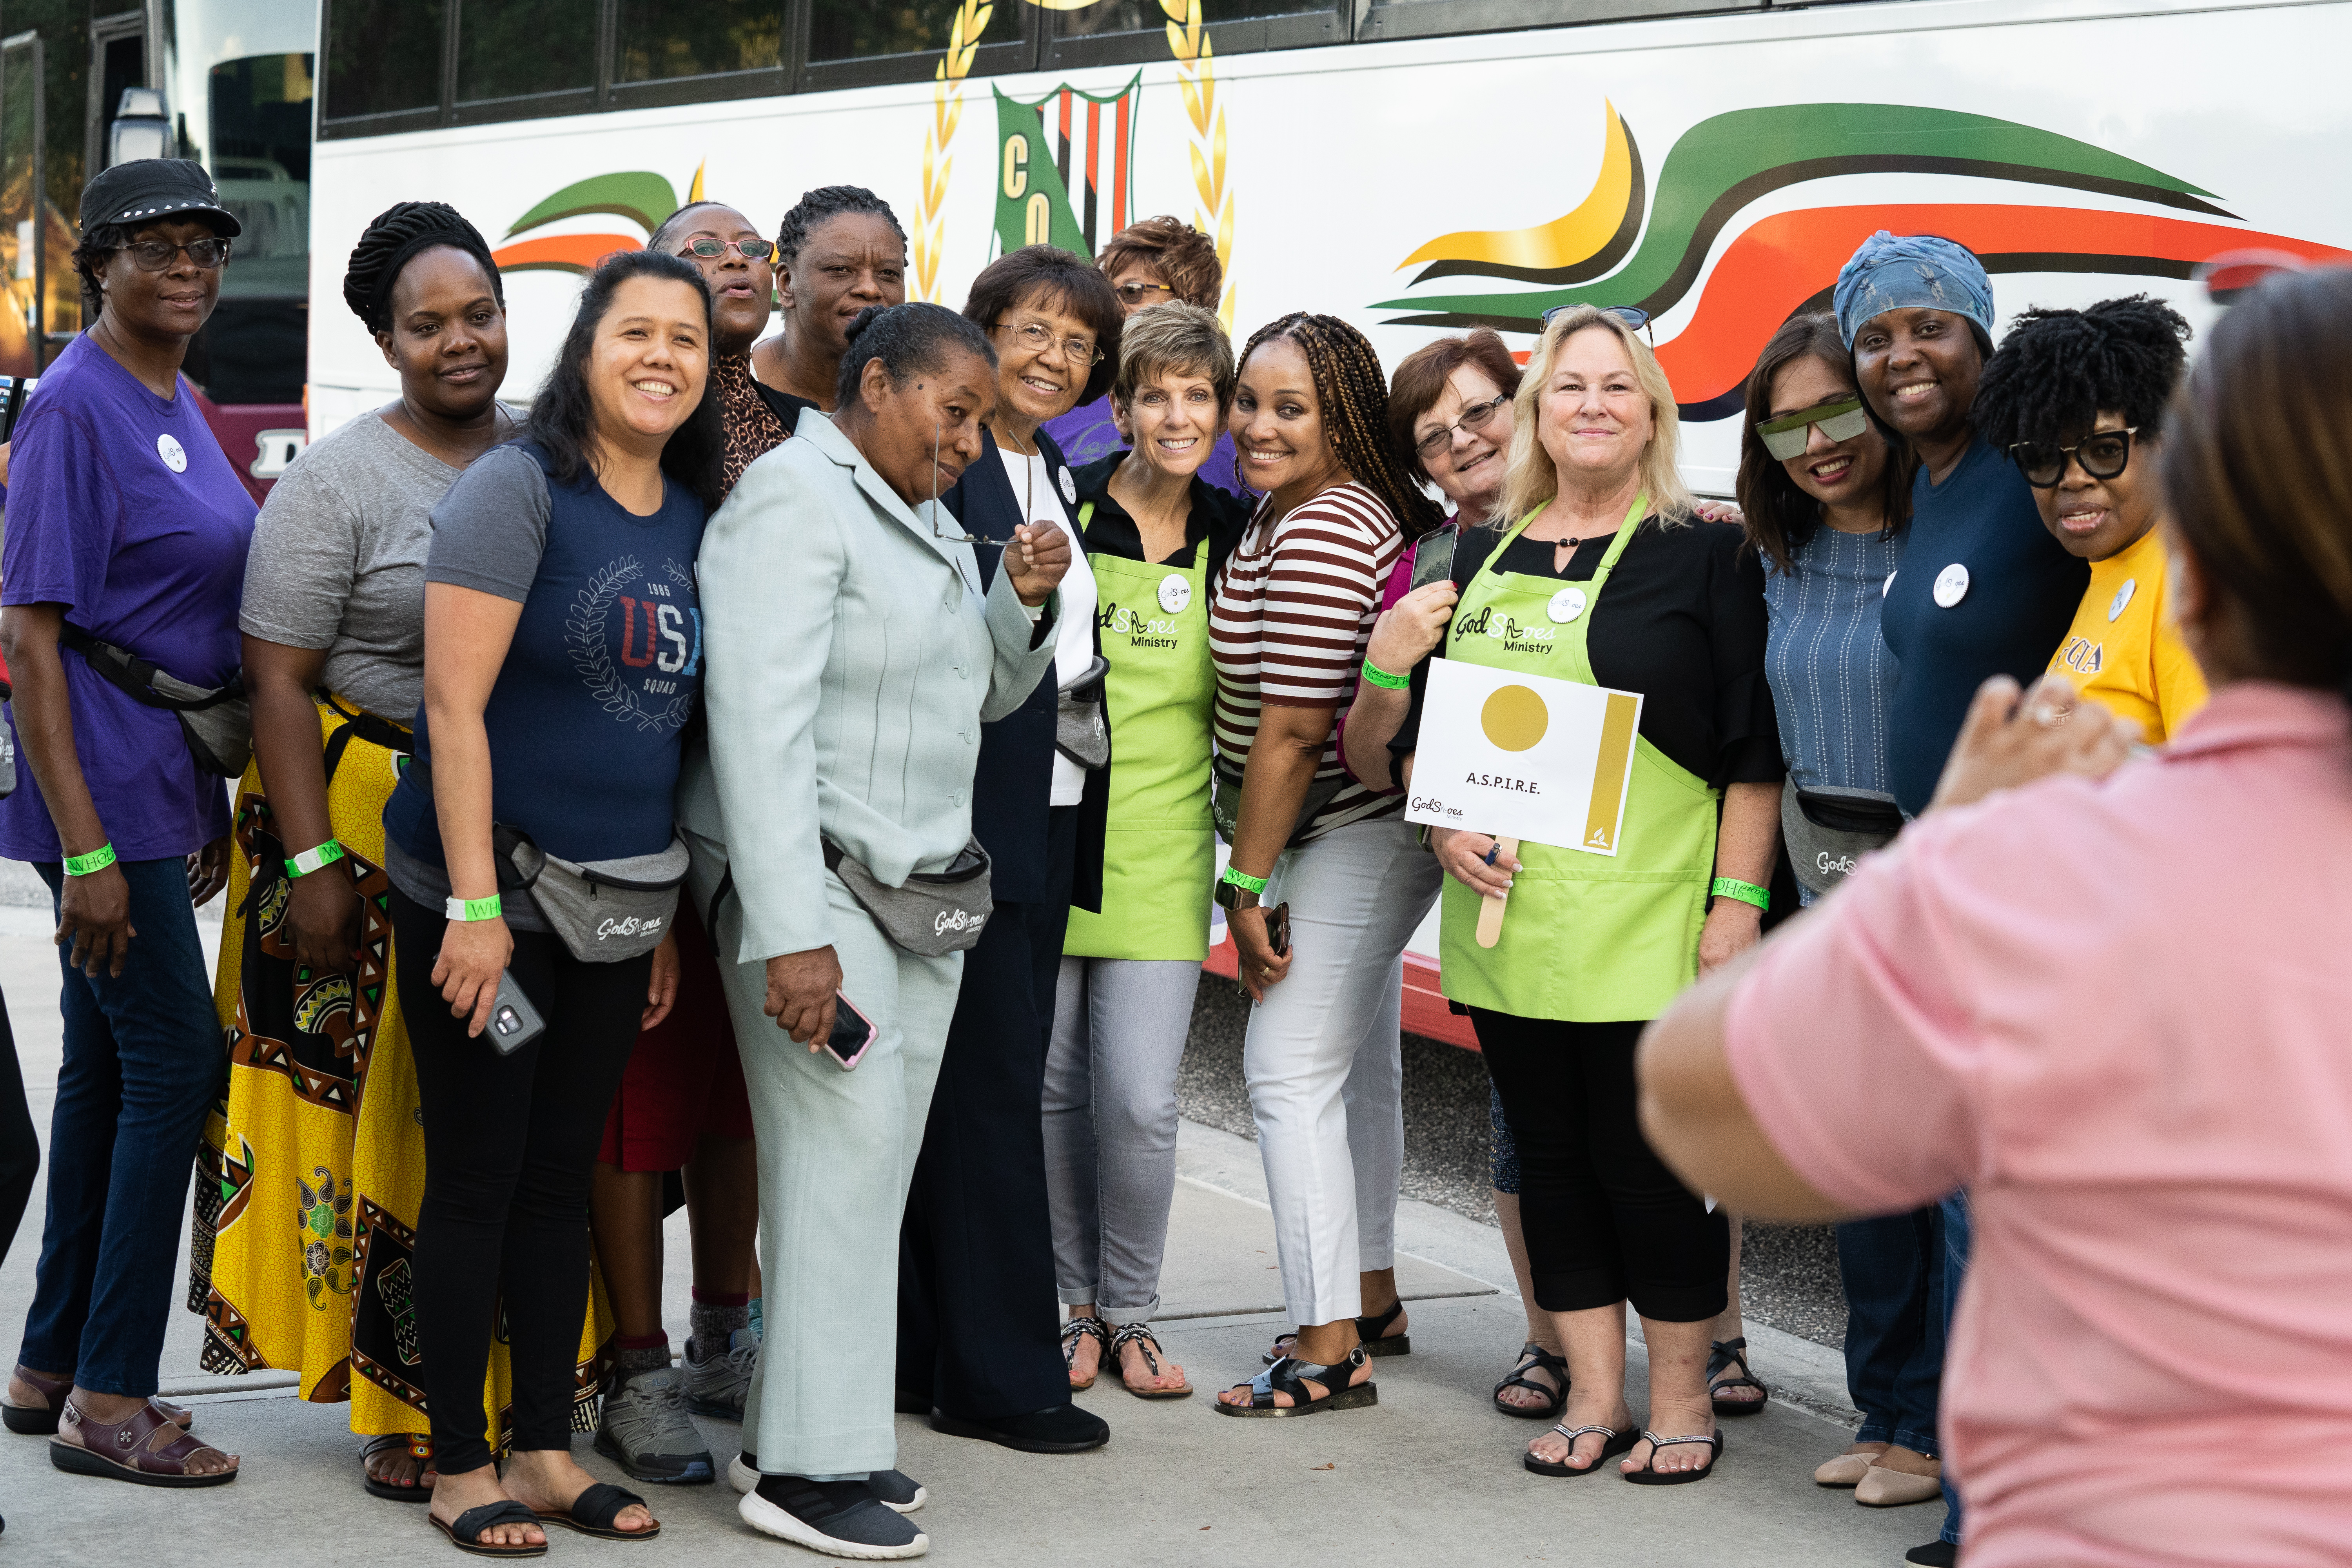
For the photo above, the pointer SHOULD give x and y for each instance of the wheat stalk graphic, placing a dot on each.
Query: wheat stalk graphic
(947, 109)
(1196, 74)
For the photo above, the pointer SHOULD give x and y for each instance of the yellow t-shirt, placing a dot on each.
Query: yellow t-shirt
(2125, 649)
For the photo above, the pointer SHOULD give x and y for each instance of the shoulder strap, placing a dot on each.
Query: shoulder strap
(143, 680)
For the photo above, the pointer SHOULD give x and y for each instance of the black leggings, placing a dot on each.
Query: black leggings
(509, 1142)
(1605, 1220)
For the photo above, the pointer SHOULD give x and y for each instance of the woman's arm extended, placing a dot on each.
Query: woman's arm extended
(93, 911)
(325, 908)
(467, 635)
(1404, 635)
(1274, 781)
(1745, 848)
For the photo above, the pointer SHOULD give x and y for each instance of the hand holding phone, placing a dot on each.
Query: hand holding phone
(853, 1034)
(514, 1022)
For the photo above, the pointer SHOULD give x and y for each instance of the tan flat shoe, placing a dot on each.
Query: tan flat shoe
(1882, 1488)
(1848, 1469)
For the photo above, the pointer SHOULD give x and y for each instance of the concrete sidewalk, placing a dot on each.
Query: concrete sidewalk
(1430, 1476)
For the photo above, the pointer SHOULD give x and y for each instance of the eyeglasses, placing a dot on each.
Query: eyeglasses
(1137, 293)
(711, 249)
(154, 254)
(1039, 337)
(1476, 416)
(1632, 316)
(1786, 436)
(963, 535)
(2104, 455)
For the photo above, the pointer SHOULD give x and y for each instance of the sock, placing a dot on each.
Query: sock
(633, 1353)
(714, 1318)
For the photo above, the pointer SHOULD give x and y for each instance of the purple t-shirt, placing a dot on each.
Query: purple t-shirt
(123, 508)
(1087, 435)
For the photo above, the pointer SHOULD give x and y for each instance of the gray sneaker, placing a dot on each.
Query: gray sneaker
(645, 1429)
(716, 1387)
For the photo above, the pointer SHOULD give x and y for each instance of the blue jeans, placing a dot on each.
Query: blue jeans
(1893, 1268)
(1958, 1229)
(143, 1064)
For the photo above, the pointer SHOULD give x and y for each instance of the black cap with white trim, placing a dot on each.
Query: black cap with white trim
(148, 190)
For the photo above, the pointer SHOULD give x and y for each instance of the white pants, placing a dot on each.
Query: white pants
(1325, 1079)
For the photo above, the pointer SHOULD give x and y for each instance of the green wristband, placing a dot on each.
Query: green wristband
(1243, 880)
(310, 860)
(458, 909)
(98, 860)
(1746, 892)
(1379, 677)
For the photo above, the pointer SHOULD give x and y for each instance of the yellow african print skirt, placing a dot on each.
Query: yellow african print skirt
(313, 1161)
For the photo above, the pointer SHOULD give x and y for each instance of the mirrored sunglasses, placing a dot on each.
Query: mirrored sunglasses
(1785, 437)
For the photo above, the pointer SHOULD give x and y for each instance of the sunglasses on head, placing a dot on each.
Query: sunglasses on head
(1786, 436)
(1632, 316)
(2103, 453)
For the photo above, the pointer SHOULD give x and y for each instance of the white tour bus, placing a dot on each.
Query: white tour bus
(1417, 166)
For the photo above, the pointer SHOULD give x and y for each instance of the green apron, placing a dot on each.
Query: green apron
(1159, 853)
(1586, 938)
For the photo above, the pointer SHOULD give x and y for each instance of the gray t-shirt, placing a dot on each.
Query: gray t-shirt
(491, 535)
(338, 561)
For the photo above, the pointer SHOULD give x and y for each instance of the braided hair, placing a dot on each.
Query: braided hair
(2057, 371)
(821, 205)
(394, 240)
(1354, 393)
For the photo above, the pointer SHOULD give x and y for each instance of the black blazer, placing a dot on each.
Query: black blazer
(1012, 788)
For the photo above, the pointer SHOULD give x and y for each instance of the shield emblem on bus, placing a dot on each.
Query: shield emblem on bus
(1063, 166)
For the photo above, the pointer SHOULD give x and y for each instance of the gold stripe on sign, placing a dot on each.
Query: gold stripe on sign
(1609, 772)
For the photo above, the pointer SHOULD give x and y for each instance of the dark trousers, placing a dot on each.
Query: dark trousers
(1892, 1269)
(979, 1318)
(143, 1064)
(20, 1146)
(1957, 1223)
(1605, 1220)
(509, 1142)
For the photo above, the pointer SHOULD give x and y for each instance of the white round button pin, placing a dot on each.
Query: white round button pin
(1175, 592)
(175, 456)
(1566, 606)
(1951, 586)
(2123, 597)
(1069, 488)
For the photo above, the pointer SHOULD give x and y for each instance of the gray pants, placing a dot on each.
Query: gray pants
(1119, 1026)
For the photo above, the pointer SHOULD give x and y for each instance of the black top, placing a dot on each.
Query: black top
(784, 406)
(1681, 621)
(1217, 516)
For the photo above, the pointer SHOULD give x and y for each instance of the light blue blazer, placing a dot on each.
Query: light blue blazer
(850, 658)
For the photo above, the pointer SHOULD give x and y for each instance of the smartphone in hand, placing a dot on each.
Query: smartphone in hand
(1432, 558)
(514, 1022)
(853, 1034)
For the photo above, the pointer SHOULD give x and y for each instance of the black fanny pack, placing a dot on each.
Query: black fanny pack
(935, 913)
(217, 723)
(1827, 834)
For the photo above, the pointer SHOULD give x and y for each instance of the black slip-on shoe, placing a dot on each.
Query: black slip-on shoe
(1058, 1429)
(1936, 1554)
(840, 1518)
(899, 1491)
(906, 1402)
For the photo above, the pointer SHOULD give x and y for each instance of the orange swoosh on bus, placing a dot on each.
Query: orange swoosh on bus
(1612, 213)
(562, 252)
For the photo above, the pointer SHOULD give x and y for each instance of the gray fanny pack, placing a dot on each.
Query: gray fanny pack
(1225, 801)
(605, 911)
(1827, 833)
(216, 723)
(935, 912)
(1081, 726)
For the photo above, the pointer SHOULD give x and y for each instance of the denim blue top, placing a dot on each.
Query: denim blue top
(1832, 675)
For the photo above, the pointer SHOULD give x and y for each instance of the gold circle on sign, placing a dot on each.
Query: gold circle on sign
(1514, 718)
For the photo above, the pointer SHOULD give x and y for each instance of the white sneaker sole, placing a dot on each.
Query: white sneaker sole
(769, 1519)
(746, 1480)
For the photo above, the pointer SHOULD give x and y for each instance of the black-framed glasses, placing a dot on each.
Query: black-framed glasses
(1632, 316)
(711, 249)
(154, 254)
(2103, 453)
(1135, 294)
(1841, 420)
(1475, 417)
(1039, 337)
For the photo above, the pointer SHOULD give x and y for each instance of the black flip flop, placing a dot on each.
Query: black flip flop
(420, 1449)
(1649, 1475)
(594, 1510)
(1533, 1357)
(1613, 1443)
(1722, 1356)
(466, 1534)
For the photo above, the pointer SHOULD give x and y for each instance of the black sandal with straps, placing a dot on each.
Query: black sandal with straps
(1533, 1358)
(1723, 1355)
(1141, 1336)
(1368, 1329)
(1077, 1330)
(1291, 1376)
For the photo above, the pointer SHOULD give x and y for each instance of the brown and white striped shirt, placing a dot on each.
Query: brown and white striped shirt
(1289, 620)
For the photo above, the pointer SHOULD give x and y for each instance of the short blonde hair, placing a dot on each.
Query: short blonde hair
(1532, 481)
(1176, 337)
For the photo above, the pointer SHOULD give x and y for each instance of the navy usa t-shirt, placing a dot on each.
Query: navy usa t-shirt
(1978, 532)
(606, 663)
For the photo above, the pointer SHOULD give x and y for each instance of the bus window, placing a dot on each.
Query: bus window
(856, 30)
(663, 40)
(1107, 17)
(521, 48)
(384, 56)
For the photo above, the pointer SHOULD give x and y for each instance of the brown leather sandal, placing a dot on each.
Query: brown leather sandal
(41, 1420)
(144, 1447)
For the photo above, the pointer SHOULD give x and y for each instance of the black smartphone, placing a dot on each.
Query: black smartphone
(1432, 558)
(13, 389)
(514, 1022)
(1277, 929)
(853, 1033)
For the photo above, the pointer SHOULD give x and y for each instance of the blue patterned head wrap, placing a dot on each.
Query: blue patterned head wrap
(1922, 271)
